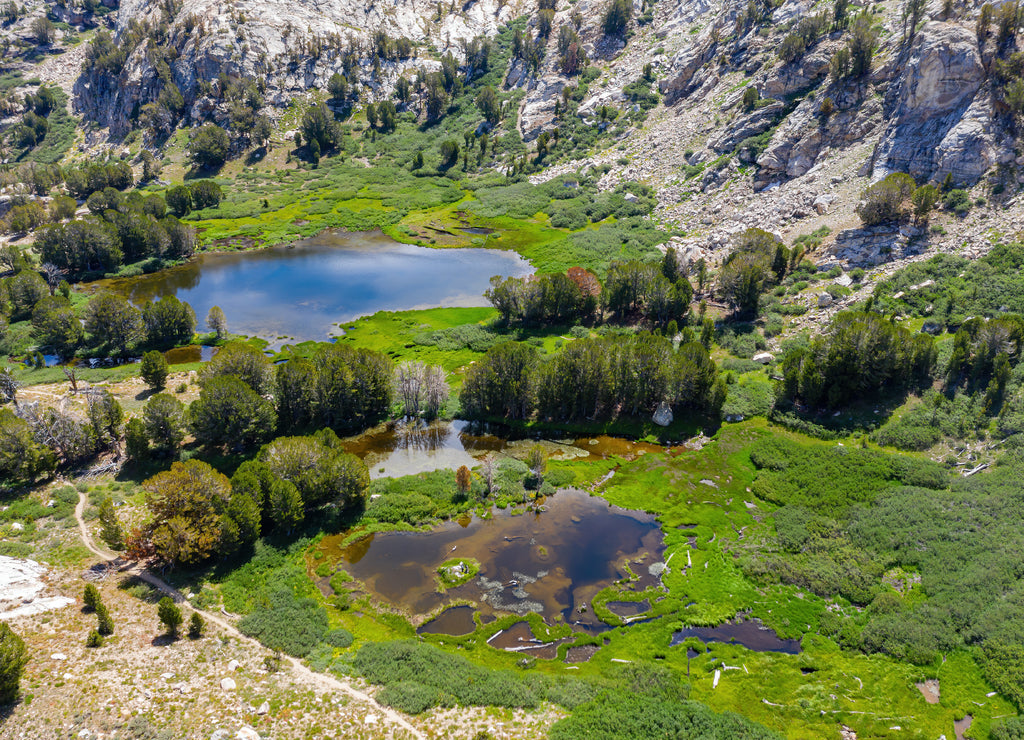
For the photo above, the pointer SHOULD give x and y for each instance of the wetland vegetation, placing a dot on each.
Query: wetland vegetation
(790, 549)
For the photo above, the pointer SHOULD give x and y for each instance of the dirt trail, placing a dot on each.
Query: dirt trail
(319, 680)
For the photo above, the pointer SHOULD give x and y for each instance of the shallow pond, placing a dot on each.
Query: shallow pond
(190, 353)
(457, 620)
(301, 291)
(409, 447)
(751, 635)
(549, 562)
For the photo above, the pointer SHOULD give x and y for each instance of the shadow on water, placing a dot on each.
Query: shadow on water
(550, 562)
(750, 634)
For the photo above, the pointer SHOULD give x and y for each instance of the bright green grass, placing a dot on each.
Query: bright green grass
(393, 332)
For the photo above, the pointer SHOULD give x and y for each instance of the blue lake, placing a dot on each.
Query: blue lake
(304, 291)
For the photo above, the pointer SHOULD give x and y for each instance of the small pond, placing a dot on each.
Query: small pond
(190, 353)
(409, 447)
(456, 620)
(750, 634)
(551, 562)
(302, 291)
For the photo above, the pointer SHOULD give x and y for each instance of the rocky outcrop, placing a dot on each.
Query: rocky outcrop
(876, 245)
(753, 124)
(802, 74)
(684, 71)
(275, 41)
(807, 132)
(940, 116)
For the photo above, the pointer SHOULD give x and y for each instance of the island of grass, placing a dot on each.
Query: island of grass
(455, 572)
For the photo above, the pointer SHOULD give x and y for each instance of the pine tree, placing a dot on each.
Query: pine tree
(91, 597)
(110, 527)
(13, 657)
(105, 624)
(170, 615)
(94, 640)
(196, 626)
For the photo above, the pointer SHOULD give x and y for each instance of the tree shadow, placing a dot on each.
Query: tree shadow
(164, 639)
(146, 394)
(7, 711)
(197, 172)
(256, 156)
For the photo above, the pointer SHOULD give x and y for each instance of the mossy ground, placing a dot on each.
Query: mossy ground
(701, 497)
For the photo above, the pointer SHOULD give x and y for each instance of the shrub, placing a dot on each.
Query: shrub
(286, 623)
(105, 624)
(208, 146)
(750, 97)
(411, 697)
(94, 640)
(436, 674)
(339, 638)
(958, 201)
(616, 17)
(91, 597)
(196, 626)
(886, 200)
(13, 657)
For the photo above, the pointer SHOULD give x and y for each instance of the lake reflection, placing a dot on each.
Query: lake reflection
(300, 292)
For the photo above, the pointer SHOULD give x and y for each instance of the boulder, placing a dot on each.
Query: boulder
(263, 708)
(824, 300)
(247, 733)
(663, 415)
(228, 684)
(764, 358)
(233, 665)
(822, 203)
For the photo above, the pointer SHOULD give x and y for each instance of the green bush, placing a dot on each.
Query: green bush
(425, 672)
(412, 698)
(958, 201)
(830, 479)
(339, 638)
(287, 623)
(639, 717)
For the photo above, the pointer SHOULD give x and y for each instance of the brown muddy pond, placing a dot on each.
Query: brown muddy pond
(190, 353)
(551, 562)
(410, 447)
(750, 634)
(456, 620)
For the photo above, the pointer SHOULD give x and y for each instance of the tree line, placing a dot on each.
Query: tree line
(108, 324)
(632, 291)
(243, 403)
(861, 354)
(592, 378)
